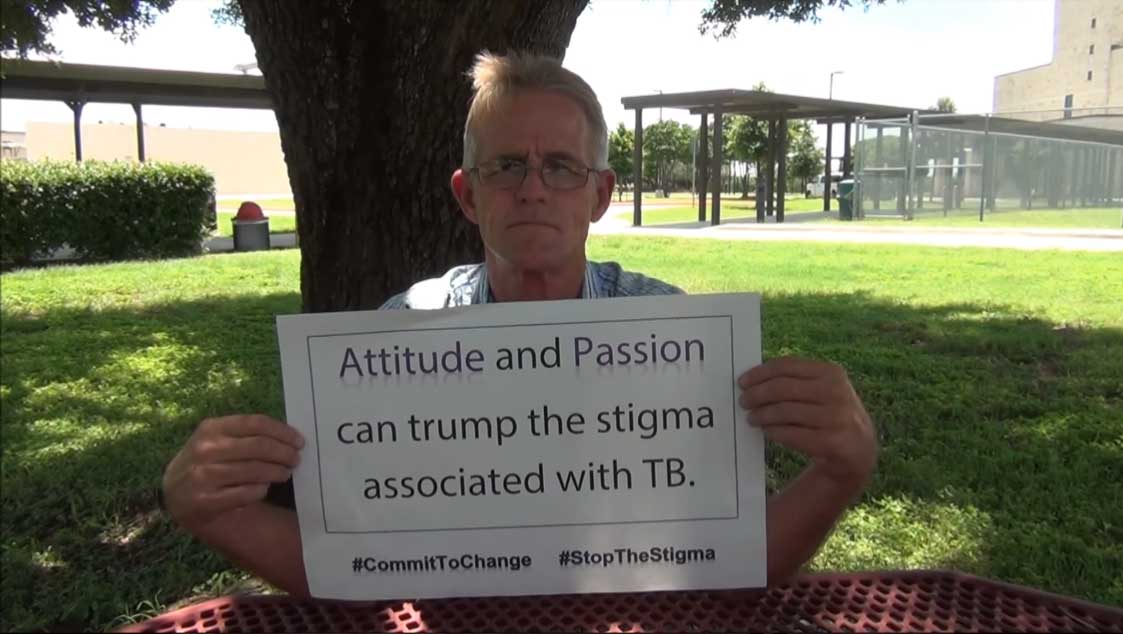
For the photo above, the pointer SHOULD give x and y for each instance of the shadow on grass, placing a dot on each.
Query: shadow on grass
(95, 403)
(1010, 421)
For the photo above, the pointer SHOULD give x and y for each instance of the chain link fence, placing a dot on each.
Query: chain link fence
(979, 165)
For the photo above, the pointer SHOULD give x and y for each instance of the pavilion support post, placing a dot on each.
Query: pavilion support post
(715, 210)
(992, 191)
(702, 166)
(139, 132)
(880, 178)
(988, 158)
(76, 107)
(847, 168)
(948, 187)
(1073, 177)
(827, 172)
(637, 172)
(1101, 168)
(782, 181)
(902, 184)
(914, 123)
(770, 181)
(1109, 185)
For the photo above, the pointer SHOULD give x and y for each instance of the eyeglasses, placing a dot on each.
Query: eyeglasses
(510, 173)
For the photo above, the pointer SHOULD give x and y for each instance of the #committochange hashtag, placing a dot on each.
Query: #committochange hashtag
(563, 558)
(357, 564)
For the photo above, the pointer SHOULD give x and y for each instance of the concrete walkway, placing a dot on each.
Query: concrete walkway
(801, 226)
(617, 223)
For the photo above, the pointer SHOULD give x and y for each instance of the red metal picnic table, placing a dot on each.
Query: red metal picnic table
(893, 601)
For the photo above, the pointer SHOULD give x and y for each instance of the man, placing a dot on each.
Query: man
(534, 177)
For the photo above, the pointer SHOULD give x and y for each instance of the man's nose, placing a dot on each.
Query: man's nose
(532, 187)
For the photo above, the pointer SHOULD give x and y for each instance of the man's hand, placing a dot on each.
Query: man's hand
(228, 463)
(810, 406)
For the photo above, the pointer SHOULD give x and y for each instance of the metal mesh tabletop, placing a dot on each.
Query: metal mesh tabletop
(880, 601)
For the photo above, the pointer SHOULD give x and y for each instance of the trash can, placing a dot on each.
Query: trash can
(251, 228)
(846, 199)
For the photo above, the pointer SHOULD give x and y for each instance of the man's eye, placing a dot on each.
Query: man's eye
(558, 166)
(509, 166)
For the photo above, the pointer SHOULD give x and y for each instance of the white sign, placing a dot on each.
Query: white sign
(527, 448)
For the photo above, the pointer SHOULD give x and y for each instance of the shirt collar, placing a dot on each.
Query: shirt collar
(591, 289)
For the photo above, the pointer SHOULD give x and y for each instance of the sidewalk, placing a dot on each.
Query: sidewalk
(799, 226)
(865, 232)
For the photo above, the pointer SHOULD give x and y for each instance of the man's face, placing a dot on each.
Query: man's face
(533, 226)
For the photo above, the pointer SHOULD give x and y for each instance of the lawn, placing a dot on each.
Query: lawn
(731, 208)
(993, 376)
(278, 223)
(1092, 218)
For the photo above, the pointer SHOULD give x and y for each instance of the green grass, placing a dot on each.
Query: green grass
(278, 223)
(993, 376)
(1094, 218)
(284, 204)
(734, 209)
(731, 209)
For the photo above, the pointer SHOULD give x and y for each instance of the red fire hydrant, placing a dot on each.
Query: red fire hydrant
(251, 228)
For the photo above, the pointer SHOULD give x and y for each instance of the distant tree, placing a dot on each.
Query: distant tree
(746, 140)
(945, 104)
(666, 144)
(621, 157)
(805, 159)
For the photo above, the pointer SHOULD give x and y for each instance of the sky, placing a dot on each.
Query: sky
(902, 53)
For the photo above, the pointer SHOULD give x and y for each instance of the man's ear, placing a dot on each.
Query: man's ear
(606, 181)
(465, 195)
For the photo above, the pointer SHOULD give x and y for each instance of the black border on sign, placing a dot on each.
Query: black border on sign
(319, 461)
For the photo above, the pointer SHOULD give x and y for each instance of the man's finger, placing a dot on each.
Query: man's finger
(260, 448)
(782, 390)
(260, 425)
(796, 414)
(227, 474)
(804, 440)
(784, 366)
(228, 498)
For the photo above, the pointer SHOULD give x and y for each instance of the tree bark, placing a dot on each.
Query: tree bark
(371, 99)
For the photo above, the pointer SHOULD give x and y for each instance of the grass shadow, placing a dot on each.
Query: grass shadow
(1000, 438)
(95, 403)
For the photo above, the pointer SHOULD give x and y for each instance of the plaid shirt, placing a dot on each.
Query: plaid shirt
(466, 285)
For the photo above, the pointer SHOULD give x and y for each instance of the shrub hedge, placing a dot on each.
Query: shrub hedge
(103, 210)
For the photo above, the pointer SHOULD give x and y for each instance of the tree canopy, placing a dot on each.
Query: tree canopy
(26, 23)
(723, 16)
(26, 26)
(945, 104)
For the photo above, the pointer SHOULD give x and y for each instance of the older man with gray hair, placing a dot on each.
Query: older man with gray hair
(534, 177)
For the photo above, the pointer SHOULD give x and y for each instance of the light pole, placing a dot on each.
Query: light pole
(830, 95)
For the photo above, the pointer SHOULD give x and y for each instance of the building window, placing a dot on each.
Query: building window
(1089, 75)
(1092, 49)
(1093, 23)
(1068, 106)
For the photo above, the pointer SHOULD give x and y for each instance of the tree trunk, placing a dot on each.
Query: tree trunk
(371, 99)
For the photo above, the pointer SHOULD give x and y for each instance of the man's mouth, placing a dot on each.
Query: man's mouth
(530, 223)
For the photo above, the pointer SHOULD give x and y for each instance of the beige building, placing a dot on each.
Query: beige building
(242, 162)
(12, 145)
(1084, 80)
